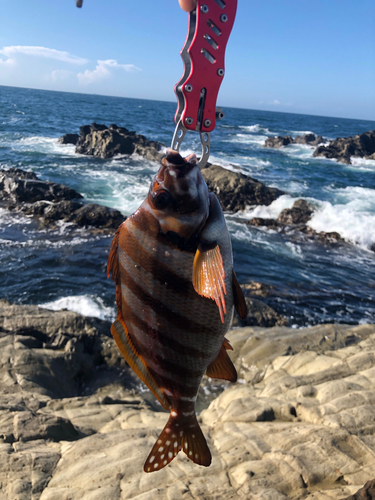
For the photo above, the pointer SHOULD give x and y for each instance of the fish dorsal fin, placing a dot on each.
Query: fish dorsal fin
(180, 433)
(121, 335)
(208, 277)
(239, 299)
(223, 367)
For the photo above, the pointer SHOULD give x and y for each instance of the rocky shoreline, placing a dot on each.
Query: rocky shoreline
(341, 149)
(74, 424)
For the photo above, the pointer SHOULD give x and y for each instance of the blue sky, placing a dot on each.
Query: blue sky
(295, 56)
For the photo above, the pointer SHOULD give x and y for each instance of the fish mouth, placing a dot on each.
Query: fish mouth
(177, 162)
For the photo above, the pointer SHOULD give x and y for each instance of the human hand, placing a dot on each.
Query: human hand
(188, 5)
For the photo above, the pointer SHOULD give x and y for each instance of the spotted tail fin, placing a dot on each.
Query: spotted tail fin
(180, 433)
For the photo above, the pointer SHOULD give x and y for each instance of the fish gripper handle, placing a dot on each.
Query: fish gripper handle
(210, 25)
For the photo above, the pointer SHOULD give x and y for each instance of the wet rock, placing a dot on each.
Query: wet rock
(343, 148)
(279, 141)
(268, 223)
(300, 213)
(256, 288)
(49, 202)
(292, 222)
(309, 139)
(236, 191)
(97, 216)
(18, 186)
(106, 142)
(259, 314)
(69, 139)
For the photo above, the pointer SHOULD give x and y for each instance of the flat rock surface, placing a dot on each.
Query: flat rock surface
(298, 424)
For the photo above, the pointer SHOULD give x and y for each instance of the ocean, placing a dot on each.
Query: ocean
(309, 283)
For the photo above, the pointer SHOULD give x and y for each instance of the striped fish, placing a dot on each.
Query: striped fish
(172, 265)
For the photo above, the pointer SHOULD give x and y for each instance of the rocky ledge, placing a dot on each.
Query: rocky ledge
(106, 142)
(49, 202)
(299, 423)
(293, 223)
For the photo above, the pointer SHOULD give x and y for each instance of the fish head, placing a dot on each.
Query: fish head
(178, 196)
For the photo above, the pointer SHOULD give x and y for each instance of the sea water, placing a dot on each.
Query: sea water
(310, 283)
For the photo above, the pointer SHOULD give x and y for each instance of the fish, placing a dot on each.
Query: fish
(176, 289)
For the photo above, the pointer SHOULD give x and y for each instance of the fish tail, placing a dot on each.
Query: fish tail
(180, 433)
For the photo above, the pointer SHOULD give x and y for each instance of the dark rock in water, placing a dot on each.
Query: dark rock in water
(69, 139)
(106, 142)
(236, 191)
(269, 223)
(17, 173)
(365, 493)
(343, 148)
(50, 202)
(61, 210)
(278, 142)
(300, 213)
(97, 216)
(259, 314)
(292, 221)
(309, 139)
(17, 186)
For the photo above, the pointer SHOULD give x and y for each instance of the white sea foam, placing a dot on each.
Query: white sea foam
(249, 139)
(268, 212)
(88, 305)
(255, 128)
(362, 164)
(43, 145)
(300, 132)
(352, 216)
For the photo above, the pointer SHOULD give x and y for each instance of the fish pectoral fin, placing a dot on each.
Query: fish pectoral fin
(223, 367)
(180, 433)
(238, 298)
(124, 343)
(208, 277)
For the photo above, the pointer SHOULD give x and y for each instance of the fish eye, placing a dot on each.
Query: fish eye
(160, 199)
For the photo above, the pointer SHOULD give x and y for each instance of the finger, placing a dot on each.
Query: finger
(188, 5)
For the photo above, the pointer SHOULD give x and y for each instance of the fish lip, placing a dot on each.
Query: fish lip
(174, 161)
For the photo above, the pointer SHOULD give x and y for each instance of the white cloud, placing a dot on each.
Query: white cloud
(14, 50)
(60, 74)
(102, 71)
(276, 102)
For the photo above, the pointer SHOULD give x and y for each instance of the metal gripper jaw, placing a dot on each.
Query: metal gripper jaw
(210, 25)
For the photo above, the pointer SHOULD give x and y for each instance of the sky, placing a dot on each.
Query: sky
(294, 56)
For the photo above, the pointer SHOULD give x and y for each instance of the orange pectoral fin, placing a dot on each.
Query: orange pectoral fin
(208, 277)
(239, 299)
(121, 335)
(223, 367)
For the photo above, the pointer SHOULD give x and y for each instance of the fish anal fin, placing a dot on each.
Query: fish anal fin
(223, 367)
(137, 364)
(239, 299)
(180, 433)
(209, 276)
(227, 345)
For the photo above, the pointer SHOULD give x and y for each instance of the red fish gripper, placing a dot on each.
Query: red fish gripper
(210, 25)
